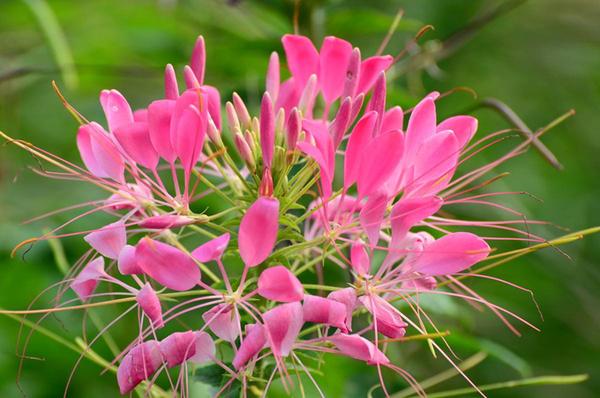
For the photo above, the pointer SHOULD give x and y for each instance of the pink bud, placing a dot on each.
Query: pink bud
(232, 118)
(191, 81)
(198, 60)
(258, 231)
(171, 87)
(283, 324)
(294, 125)
(108, 240)
(326, 311)
(267, 130)
(212, 250)
(244, 150)
(223, 321)
(149, 302)
(86, 282)
(138, 365)
(272, 80)
(241, 110)
(279, 284)
(166, 264)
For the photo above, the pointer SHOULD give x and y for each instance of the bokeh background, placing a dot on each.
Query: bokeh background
(541, 57)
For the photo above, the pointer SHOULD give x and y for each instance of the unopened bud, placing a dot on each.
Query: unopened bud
(241, 111)
(232, 118)
(244, 151)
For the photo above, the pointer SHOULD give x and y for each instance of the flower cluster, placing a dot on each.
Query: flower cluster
(327, 175)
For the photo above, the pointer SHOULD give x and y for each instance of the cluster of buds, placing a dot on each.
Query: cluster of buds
(327, 175)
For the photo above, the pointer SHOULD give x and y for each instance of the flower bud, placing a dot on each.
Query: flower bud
(241, 110)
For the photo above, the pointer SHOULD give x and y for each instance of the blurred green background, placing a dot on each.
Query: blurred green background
(541, 57)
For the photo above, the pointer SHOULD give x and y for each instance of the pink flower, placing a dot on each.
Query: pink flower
(324, 310)
(389, 320)
(211, 250)
(108, 240)
(252, 344)
(149, 302)
(178, 347)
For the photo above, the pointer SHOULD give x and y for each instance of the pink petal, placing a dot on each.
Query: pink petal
(421, 126)
(223, 321)
(410, 211)
(166, 221)
(326, 311)
(289, 95)
(338, 127)
(258, 231)
(435, 164)
(389, 319)
(127, 263)
(212, 250)
(140, 116)
(108, 240)
(370, 69)
(335, 55)
(346, 296)
(393, 120)
(406, 213)
(159, 127)
(358, 141)
(302, 58)
(178, 347)
(358, 347)
(135, 140)
(279, 284)
(205, 349)
(371, 216)
(254, 342)
(138, 365)
(352, 74)
(451, 254)
(86, 282)
(380, 159)
(213, 100)
(464, 128)
(99, 153)
(116, 109)
(198, 60)
(149, 302)
(359, 258)
(267, 130)
(189, 137)
(166, 264)
(283, 324)
(377, 102)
